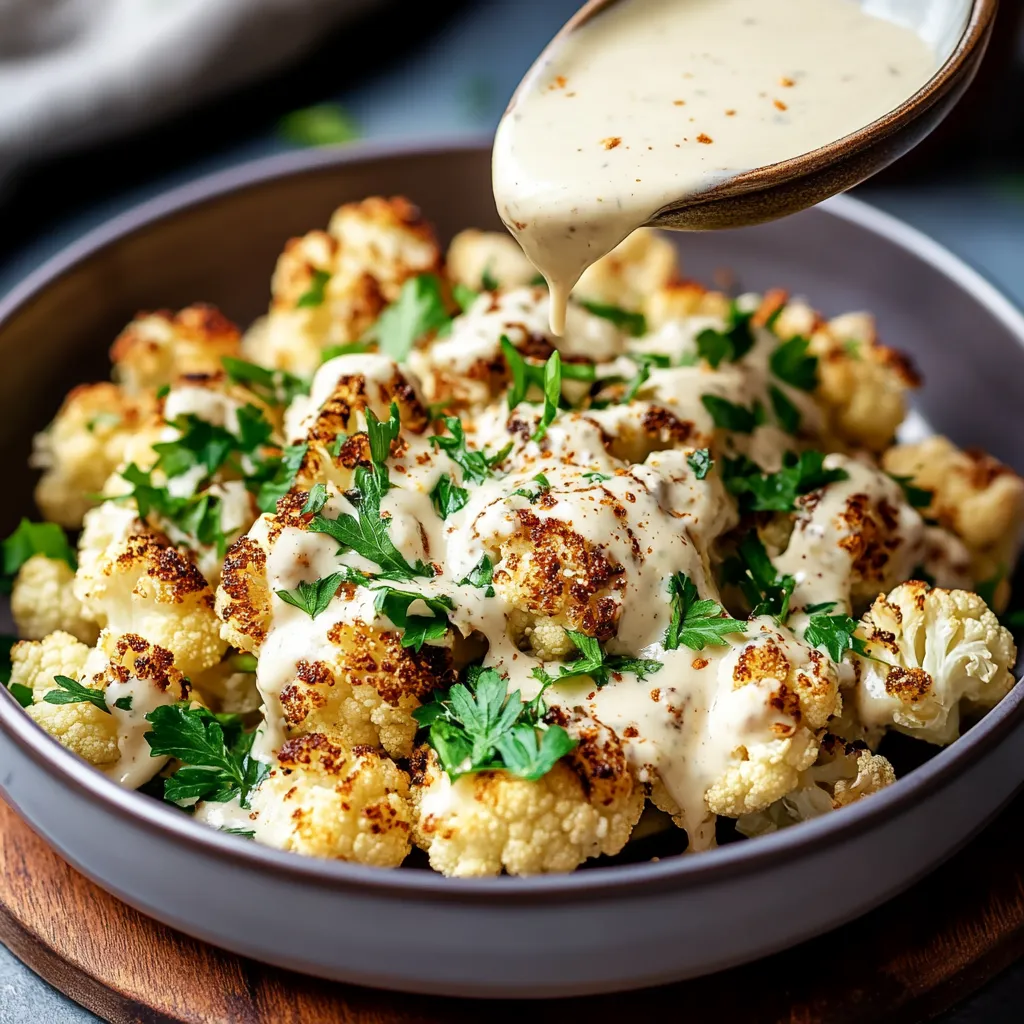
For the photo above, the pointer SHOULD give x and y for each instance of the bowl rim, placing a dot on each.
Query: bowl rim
(66, 769)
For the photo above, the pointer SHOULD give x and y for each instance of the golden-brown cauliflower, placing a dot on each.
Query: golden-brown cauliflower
(485, 822)
(43, 601)
(978, 498)
(158, 348)
(636, 267)
(323, 800)
(83, 445)
(475, 257)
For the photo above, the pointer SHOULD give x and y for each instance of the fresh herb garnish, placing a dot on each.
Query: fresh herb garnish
(478, 726)
(777, 492)
(277, 476)
(447, 497)
(215, 751)
(30, 539)
(634, 324)
(418, 629)
(835, 634)
(124, 703)
(488, 282)
(312, 598)
(276, 387)
(593, 662)
(696, 622)
(419, 309)
(349, 348)
(481, 577)
(917, 497)
(596, 478)
(73, 692)
(476, 465)
(315, 294)
(700, 462)
(534, 489)
(527, 374)
(751, 569)
(552, 395)
(21, 693)
(791, 363)
(730, 416)
(325, 124)
(464, 296)
(731, 344)
(785, 411)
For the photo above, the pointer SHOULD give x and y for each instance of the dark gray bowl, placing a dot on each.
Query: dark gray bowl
(597, 930)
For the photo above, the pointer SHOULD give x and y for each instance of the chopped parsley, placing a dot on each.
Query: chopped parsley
(70, 691)
(215, 752)
(596, 478)
(917, 497)
(30, 539)
(527, 374)
(276, 387)
(418, 310)
(552, 395)
(791, 364)
(634, 324)
(418, 629)
(476, 465)
(730, 344)
(488, 282)
(124, 703)
(349, 348)
(696, 622)
(312, 598)
(593, 662)
(777, 492)
(785, 411)
(481, 577)
(752, 571)
(277, 475)
(700, 462)
(730, 416)
(325, 124)
(464, 296)
(478, 726)
(315, 294)
(535, 489)
(835, 634)
(447, 497)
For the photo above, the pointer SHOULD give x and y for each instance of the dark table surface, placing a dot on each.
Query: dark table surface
(442, 69)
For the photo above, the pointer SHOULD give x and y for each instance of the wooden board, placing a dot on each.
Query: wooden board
(904, 962)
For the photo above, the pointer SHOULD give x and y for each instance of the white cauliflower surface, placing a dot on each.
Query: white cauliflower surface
(397, 567)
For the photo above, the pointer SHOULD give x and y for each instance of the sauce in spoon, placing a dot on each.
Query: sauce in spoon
(651, 101)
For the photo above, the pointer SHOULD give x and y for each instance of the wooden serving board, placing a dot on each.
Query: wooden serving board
(905, 962)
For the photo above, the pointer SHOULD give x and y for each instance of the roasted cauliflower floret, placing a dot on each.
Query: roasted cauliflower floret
(229, 687)
(35, 663)
(556, 580)
(843, 774)
(637, 266)
(243, 597)
(366, 694)
(43, 601)
(978, 498)
(83, 445)
(678, 300)
(323, 800)
(157, 348)
(476, 258)
(933, 654)
(485, 822)
(131, 579)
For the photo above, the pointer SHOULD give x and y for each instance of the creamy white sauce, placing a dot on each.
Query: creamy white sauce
(652, 101)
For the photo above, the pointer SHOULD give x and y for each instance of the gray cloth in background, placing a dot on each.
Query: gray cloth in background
(76, 71)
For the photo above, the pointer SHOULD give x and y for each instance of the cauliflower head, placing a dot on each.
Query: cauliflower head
(639, 265)
(933, 654)
(478, 257)
(43, 601)
(324, 800)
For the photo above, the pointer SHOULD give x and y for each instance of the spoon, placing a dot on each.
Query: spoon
(779, 189)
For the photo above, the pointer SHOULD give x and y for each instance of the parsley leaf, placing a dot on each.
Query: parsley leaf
(731, 344)
(729, 416)
(73, 692)
(595, 663)
(835, 634)
(488, 282)
(34, 539)
(447, 497)
(277, 476)
(777, 492)
(418, 629)
(214, 749)
(314, 295)
(596, 478)
(766, 591)
(349, 348)
(478, 726)
(791, 363)
(700, 462)
(552, 394)
(634, 324)
(124, 703)
(312, 598)
(537, 487)
(527, 374)
(418, 310)
(917, 497)
(464, 296)
(481, 576)
(785, 411)
(696, 622)
(325, 124)
(476, 465)
(22, 694)
(276, 387)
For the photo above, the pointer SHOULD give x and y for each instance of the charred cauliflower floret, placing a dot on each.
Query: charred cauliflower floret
(330, 287)
(978, 498)
(479, 258)
(678, 300)
(324, 800)
(131, 579)
(365, 695)
(83, 445)
(555, 579)
(43, 601)
(637, 266)
(156, 349)
(933, 655)
(843, 774)
(243, 596)
(492, 820)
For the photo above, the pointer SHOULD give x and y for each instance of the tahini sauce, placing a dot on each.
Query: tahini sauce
(655, 100)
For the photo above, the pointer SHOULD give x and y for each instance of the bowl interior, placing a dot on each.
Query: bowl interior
(940, 23)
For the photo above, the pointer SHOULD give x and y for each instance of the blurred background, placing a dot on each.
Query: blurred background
(105, 103)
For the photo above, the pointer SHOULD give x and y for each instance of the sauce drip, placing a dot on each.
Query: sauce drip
(651, 101)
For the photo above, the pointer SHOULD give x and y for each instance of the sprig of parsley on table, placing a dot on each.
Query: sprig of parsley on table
(696, 622)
